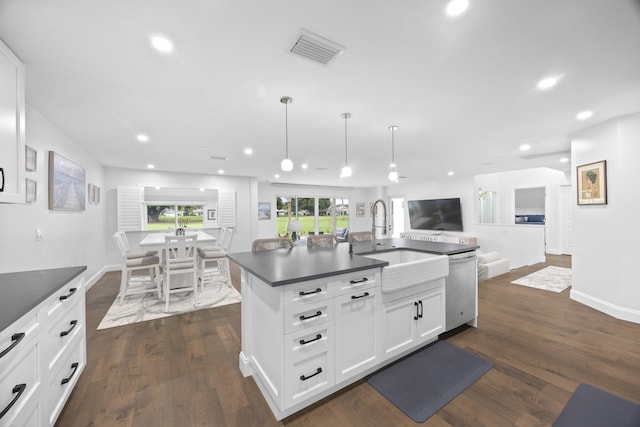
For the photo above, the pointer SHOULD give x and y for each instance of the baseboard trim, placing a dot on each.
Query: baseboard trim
(613, 310)
(93, 279)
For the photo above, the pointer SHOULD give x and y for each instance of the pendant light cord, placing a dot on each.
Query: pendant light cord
(346, 160)
(286, 130)
(393, 147)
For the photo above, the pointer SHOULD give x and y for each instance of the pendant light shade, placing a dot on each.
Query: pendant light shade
(346, 170)
(286, 164)
(393, 175)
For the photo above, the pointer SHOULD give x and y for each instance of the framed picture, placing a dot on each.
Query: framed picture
(31, 190)
(592, 183)
(30, 158)
(96, 196)
(67, 186)
(359, 209)
(264, 210)
(90, 193)
(211, 214)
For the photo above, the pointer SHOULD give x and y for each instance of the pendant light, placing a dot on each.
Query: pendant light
(286, 164)
(346, 170)
(393, 175)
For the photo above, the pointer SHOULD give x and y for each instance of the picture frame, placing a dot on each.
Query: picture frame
(67, 184)
(211, 214)
(30, 158)
(264, 210)
(90, 193)
(592, 183)
(360, 209)
(31, 187)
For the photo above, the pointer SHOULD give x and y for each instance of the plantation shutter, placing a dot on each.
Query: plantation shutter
(130, 201)
(227, 209)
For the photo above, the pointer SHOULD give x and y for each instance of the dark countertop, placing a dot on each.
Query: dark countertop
(286, 266)
(22, 291)
(438, 248)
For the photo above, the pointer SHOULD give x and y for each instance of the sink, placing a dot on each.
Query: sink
(409, 268)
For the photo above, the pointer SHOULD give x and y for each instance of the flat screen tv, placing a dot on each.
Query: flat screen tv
(436, 214)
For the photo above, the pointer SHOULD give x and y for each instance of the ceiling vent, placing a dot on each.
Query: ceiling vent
(212, 157)
(315, 47)
(543, 155)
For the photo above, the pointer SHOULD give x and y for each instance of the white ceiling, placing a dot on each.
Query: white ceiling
(462, 90)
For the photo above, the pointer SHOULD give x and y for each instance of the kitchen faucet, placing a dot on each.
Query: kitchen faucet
(373, 221)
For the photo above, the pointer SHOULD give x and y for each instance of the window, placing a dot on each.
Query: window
(316, 215)
(164, 216)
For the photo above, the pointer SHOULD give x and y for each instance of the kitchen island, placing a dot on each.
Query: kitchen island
(316, 320)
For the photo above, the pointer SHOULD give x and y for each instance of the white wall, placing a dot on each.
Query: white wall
(605, 273)
(246, 205)
(69, 238)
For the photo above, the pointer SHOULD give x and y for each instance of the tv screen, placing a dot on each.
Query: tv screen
(437, 214)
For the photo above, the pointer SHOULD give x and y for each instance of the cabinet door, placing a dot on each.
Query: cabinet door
(431, 316)
(355, 332)
(12, 132)
(398, 325)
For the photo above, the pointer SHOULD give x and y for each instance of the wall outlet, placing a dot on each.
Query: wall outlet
(38, 234)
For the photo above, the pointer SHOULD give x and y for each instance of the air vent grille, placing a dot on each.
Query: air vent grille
(543, 155)
(212, 157)
(315, 47)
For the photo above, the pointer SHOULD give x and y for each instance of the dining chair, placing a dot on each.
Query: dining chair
(140, 274)
(271, 244)
(213, 263)
(180, 260)
(360, 236)
(122, 241)
(322, 240)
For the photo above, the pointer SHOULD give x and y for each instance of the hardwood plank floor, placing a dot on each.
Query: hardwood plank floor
(183, 370)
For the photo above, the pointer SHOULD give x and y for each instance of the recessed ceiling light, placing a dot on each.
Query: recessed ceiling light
(525, 147)
(220, 171)
(157, 187)
(150, 166)
(162, 44)
(564, 160)
(276, 176)
(201, 189)
(584, 115)
(548, 82)
(248, 151)
(450, 173)
(142, 137)
(456, 7)
(304, 166)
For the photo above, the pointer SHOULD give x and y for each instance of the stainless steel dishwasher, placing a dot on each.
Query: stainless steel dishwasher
(461, 289)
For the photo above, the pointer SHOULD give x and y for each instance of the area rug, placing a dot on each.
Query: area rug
(426, 380)
(143, 307)
(592, 407)
(555, 279)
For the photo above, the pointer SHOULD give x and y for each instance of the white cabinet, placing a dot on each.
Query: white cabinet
(356, 335)
(12, 137)
(43, 354)
(412, 320)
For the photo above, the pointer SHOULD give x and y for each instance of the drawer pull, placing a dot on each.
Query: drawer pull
(16, 338)
(421, 309)
(74, 366)
(318, 371)
(318, 313)
(366, 294)
(303, 342)
(364, 279)
(71, 292)
(20, 388)
(67, 332)
(415, 304)
(317, 291)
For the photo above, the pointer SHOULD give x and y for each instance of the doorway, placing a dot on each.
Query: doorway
(397, 216)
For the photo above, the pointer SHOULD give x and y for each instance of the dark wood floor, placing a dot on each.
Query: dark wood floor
(183, 370)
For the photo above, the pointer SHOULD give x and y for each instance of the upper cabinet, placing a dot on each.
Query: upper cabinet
(12, 127)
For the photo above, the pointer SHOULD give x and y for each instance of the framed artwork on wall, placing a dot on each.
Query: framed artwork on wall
(592, 183)
(360, 209)
(211, 214)
(264, 210)
(67, 185)
(31, 190)
(30, 158)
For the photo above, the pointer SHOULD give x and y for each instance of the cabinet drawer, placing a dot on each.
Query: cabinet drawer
(17, 337)
(63, 380)
(307, 342)
(19, 386)
(63, 333)
(355, 282)
(307, 316)
(308, 377)
(298, 294)
(60, 302)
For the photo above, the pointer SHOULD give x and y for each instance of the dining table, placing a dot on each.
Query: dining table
(157, 239)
